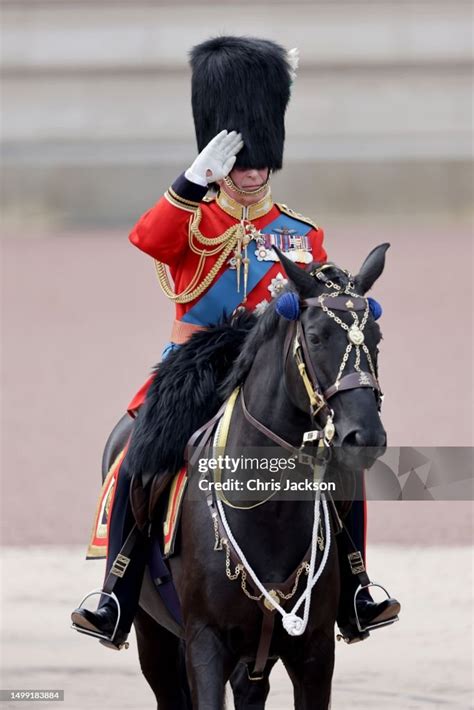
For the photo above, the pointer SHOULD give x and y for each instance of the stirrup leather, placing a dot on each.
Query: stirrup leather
(105, 640)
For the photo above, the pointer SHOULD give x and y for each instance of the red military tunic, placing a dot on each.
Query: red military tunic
(164, 233)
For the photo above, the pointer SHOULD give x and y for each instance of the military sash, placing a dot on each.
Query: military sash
(222, 298)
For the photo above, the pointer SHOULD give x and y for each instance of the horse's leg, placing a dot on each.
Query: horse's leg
(311, 673)
(250, 694)
(162, 663)
(209, 664)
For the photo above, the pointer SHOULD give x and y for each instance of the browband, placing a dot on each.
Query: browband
(337, 303)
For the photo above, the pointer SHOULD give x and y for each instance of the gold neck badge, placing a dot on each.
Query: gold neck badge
(238, 211)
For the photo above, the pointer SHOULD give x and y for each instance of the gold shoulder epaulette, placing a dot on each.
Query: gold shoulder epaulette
(291, 213)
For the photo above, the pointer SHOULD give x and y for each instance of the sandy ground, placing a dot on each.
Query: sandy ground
(424, 661)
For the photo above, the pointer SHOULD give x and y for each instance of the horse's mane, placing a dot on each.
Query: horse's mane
(184, 394)
(264, 329)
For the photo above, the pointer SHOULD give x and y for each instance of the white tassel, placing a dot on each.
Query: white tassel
(293, 61)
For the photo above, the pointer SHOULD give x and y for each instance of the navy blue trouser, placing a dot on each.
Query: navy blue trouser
(355, 524)
(127, 588)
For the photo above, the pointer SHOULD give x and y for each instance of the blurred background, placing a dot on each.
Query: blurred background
(97, 105)
(96, 123)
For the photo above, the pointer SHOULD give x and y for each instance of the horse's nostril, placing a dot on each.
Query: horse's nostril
(351, 439)
(365, 437)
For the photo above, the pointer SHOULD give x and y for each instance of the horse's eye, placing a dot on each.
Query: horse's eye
(315, 339)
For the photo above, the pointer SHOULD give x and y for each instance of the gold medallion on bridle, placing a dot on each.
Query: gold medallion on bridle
(355, 335)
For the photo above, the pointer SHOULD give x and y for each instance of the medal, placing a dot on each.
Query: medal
(295, 246)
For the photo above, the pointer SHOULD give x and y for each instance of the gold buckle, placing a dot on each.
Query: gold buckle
(356, 562)
(120, 565)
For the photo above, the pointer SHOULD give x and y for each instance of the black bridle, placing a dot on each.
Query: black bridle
(296, 344)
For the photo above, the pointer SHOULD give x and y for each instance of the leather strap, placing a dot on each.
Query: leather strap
(122, 560)
(354, 380)
(205, 429)
(323, 409)
(266, 633)
(264, 430)
(307, 357)
(337, 303)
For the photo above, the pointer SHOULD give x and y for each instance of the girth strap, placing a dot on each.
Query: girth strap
(263, 651)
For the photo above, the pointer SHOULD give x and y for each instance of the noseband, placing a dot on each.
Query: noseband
(337, 300)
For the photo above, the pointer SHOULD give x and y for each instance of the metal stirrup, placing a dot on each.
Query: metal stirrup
(97, 634)
(378, 625)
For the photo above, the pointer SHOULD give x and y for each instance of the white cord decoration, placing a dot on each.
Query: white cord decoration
(293, 624)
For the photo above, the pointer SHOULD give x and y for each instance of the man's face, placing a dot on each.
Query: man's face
(249, 178)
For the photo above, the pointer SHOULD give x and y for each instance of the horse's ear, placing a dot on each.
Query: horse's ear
(303, 282)
(371, 269)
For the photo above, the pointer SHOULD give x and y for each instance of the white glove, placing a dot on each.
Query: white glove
(216, 160)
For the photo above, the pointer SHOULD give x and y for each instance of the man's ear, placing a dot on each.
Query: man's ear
(303, 282)
(371, 269)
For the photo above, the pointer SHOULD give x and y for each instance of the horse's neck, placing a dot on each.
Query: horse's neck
(278, 521)
(267, 398)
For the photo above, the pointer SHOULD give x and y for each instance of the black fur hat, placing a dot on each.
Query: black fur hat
(242, 84)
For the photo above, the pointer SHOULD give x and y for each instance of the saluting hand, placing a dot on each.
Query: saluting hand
(216, 160)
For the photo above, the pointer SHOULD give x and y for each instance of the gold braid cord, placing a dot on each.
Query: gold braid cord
(224, 244)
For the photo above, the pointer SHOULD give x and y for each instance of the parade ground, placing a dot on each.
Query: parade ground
(421, 663)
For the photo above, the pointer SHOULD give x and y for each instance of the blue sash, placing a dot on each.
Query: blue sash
(222, 298)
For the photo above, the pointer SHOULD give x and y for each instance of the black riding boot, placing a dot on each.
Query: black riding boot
(103, 621)
(368, 611)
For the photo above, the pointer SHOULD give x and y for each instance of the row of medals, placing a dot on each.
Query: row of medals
(262, 252)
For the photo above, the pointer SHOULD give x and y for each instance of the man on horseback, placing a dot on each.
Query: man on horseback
(219, 251)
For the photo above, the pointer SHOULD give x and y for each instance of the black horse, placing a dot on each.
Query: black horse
(221, 624)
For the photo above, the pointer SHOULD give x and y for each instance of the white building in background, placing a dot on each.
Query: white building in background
(97, 118)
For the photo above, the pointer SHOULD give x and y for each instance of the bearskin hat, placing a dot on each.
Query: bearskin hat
(242, 84)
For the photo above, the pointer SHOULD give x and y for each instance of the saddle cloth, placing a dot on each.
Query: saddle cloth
(97, 548)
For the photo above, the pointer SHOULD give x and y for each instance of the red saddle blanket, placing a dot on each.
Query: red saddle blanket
(97, 548)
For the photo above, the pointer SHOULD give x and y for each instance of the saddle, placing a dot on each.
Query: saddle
(183, 395)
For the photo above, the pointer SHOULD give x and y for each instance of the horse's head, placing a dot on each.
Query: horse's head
(331, 358)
